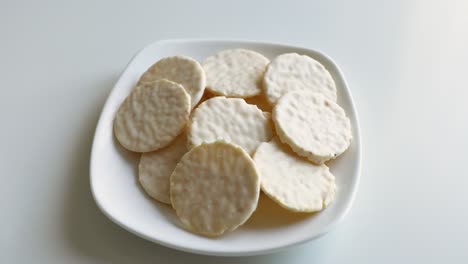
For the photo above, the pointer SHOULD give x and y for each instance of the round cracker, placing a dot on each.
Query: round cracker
(235, 72)
(152, 116)
(313, 126)
(293, 72)
(231, 120)
(156, 167)
(215, 188)
(182, 70)
(293, 182)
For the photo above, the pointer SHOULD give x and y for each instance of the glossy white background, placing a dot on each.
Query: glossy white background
(406, 63)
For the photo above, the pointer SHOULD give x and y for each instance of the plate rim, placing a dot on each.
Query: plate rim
(328, 228)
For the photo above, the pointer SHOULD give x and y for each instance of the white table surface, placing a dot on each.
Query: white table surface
(406, 63)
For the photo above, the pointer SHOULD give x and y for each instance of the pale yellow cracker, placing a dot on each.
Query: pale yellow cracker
(156, 167)
(182, 70)
(215, 188)
(235, 72)
(293, 72)
(152, 116)
(292, 181)
(231, 120)
(312, 125)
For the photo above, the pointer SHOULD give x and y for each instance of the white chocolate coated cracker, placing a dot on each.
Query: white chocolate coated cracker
(231, 120)
(293, 72)
(313, 126)
(152, 116)
(182, 70)
(235, 72)
(293, 182)
(156, 167)
(215, 188)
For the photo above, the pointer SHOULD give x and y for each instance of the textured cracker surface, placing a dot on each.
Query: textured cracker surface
(293, 72)
(293, 182)
(312, 125)
(215, 188)
(231, 120)
(156, 167)
(235, 73)
(152, 116)
(182, 70)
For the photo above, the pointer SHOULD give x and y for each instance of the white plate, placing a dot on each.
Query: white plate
(117, 193)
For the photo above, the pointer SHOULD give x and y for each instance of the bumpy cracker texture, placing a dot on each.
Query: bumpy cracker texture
(182, 70)
(293, 72)
(152, 116)
(293, 182)
(215, 188)
(156, 167)
(312, 125)
(235, 73)
(231, 120)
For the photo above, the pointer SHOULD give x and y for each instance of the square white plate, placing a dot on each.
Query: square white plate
(116, 190)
